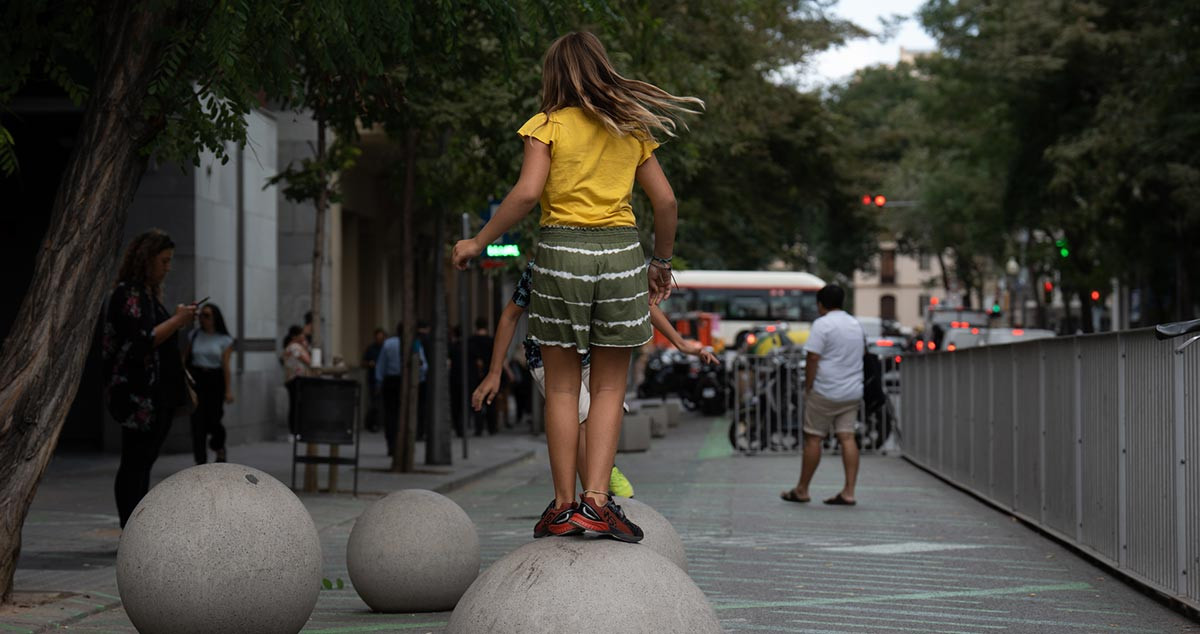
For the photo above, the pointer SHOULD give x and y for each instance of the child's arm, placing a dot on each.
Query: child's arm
(650, 176)
(490, 384)
(663, 324)
(518, 202)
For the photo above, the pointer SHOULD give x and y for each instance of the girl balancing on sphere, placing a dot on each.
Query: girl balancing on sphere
(592, 287)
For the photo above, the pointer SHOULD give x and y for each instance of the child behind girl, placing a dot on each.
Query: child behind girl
(592, 287)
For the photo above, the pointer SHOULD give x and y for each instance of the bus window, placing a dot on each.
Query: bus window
(746, 306)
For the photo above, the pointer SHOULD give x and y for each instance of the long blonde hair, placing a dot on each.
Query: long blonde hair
(577, 72)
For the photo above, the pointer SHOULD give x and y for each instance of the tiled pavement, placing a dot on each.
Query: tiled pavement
(914, 556)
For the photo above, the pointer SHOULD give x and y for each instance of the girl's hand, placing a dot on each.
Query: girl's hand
(660, 283)
(486, 391)
(696, 350)
(464, 250)
(228, 396)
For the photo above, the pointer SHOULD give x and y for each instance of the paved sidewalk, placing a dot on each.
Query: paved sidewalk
(915, 556)
(69, 540)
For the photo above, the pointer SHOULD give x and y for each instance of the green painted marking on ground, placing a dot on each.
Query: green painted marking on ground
(13, 628)
(378, 628)
(716, 443)
(913, 596)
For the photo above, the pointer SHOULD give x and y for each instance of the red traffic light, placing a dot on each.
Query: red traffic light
(1049, 286)
(866, 199)
(880, 200)
(1095, 296)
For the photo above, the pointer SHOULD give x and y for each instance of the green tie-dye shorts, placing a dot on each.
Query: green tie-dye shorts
(590, 289)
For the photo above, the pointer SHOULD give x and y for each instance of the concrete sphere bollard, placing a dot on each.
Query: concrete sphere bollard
(559, 584)
(413, 551)
(660, 537)
(219, 548)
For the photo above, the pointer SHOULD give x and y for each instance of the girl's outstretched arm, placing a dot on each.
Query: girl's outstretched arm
(663, 324)
(524, 195)
(490, 384)
(650, 176)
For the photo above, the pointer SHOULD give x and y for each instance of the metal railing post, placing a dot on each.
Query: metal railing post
(1180, 473)
(1122, 460)
(1078, 423)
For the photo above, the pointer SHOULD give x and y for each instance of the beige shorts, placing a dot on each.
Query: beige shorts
(585, 397)
(823, 416)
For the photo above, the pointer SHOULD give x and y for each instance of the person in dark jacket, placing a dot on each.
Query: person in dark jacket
(145, 373)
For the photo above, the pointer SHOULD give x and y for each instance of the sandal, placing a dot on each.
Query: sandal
(791, 496)
(838, 500)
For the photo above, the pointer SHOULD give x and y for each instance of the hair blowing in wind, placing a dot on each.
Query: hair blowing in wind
(577, 72)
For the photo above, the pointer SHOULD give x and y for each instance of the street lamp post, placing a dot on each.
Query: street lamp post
(1012, 268)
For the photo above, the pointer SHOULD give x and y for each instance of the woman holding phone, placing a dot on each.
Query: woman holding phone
(207, 355)
(145, 372)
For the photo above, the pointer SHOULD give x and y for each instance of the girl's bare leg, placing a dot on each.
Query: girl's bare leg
(610, 369)
(581, 456)
(562, 417)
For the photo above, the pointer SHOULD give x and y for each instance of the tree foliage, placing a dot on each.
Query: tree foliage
(1063, 123)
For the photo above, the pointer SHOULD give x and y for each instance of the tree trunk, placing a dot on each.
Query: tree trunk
(403, 458)
(42, 358)
(320, 205)
(437, 431)
(942, 267)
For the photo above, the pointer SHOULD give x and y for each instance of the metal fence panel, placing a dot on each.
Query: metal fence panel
(1059, 434)
(1096, 437)
(1191, 457)
(1003, 409)
(948, 385)
(1101, 446)
(1149, 429)
(1027, 360)
(981, 424)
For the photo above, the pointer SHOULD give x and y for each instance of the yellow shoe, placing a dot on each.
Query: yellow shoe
(618, 484)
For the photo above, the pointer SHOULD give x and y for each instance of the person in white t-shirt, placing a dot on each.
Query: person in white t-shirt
(833, 388)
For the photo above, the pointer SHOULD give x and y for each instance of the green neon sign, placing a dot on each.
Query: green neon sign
(503, 251)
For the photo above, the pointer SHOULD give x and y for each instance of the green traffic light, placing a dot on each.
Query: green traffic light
(995, 308)
(1064, 252)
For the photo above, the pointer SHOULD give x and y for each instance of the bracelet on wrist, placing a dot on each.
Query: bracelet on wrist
(659, 264)
(666, 260)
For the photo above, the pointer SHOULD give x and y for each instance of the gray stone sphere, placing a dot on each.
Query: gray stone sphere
(660, 537)
(413, 551)
(219, 548)
(559, 584)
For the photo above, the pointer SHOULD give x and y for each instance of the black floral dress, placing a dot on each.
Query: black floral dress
(143, 378)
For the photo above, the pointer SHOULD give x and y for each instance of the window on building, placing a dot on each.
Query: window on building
(887, 307)
(923, 304)
(923, 261)
(887, 267)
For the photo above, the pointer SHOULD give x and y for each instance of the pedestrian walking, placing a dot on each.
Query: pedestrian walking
(369, 358)
(207, 356)
(297, 362)
(424, 413)
(145, 372)
(389, 370)
(833, 389)
(592, 287)
(479, 359)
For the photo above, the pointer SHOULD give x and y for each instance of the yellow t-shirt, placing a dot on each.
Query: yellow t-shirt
(591, 169)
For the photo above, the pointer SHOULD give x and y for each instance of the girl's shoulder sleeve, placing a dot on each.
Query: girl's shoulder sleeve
(541, 126)
(648, 146)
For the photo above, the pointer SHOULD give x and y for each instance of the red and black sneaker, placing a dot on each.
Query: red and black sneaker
(608, 519)
(556, 520)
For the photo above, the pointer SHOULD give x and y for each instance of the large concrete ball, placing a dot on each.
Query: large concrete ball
(219, 548)
(413, 551)
(559, 584)
(660, 537)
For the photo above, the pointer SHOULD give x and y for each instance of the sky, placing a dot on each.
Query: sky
(837, 64)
